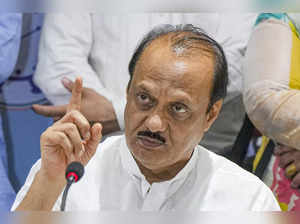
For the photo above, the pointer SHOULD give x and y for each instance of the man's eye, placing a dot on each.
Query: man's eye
(179, 108)
(143, 98)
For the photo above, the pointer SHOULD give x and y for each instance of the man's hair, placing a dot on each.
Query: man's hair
(185, 39)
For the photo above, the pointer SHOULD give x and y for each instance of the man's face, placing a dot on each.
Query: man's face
(167, 101)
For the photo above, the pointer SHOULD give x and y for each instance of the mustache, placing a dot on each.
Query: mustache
(153, 135)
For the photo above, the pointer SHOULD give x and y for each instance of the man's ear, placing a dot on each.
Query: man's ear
(127, 90)
(128, 87)
(213, 113)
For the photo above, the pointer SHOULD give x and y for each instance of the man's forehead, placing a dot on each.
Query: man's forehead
(159, 61)
(174, 81)
(187, 82)
(162, 64)
(169, 47)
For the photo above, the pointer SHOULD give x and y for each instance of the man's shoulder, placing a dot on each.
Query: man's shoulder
(219, 165)
(230, 183)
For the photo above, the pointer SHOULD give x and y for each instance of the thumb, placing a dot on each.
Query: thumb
(96, 135)
(67, 83)
(49, 110)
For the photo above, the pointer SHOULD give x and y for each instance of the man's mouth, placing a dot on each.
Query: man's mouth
(149, 142)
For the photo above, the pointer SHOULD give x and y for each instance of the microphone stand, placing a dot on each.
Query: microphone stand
(74, 172)
(70, 181)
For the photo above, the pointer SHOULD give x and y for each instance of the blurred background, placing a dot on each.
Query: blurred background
(21, 127)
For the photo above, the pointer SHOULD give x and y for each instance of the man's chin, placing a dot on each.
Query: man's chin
(148, 163)
(148, 158)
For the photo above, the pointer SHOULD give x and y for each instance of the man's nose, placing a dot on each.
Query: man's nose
(155, 123)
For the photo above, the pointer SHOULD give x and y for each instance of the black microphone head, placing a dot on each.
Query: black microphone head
(75, 171)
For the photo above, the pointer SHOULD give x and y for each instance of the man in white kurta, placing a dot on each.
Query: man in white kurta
(178, 80)
(208, 182)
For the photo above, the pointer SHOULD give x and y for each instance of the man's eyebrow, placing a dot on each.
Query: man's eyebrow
(146, 87)
(181, 96)
(143, 87)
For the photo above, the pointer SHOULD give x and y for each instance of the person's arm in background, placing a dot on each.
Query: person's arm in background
(270, 103)
(10, 36)
(64, 50)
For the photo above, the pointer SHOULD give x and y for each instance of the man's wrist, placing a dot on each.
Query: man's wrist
(43, 193)
(57, 183)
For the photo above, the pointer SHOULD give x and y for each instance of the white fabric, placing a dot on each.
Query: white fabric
(208, 182)
(99, 47)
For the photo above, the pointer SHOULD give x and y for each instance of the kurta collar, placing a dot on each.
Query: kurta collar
(170, 186)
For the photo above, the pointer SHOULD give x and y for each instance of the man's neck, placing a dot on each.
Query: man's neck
(163, 174)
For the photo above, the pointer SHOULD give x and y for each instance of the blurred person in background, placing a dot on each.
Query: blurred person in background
(271, 97)
(10, 36)
(98, 47)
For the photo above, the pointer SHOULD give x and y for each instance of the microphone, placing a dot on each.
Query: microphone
(74, 172)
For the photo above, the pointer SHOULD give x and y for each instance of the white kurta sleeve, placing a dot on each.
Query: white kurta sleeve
(265, 201)
(271, 105)
(24, 189)
(65, 46)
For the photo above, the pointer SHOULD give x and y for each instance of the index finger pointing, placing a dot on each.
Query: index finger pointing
(75, 101)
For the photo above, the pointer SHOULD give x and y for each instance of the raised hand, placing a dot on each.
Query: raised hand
(69, 139)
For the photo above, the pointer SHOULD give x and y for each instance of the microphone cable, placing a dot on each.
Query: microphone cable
(74, 172)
